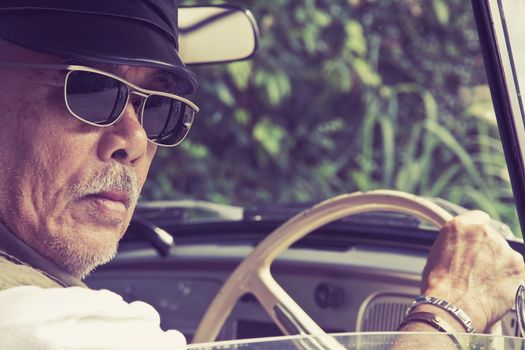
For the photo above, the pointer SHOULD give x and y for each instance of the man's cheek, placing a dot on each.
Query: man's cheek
(143, 173)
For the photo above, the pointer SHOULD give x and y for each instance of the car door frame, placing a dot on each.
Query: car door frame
(511, 126)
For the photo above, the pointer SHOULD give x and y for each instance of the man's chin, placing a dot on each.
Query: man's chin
(88, 240)
(81, 256)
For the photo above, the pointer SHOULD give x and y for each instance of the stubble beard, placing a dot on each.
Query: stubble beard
(78, 262)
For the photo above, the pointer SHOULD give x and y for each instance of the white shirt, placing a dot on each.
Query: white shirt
(78, 318)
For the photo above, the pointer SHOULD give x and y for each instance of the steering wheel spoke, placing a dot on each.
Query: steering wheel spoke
(283, 310)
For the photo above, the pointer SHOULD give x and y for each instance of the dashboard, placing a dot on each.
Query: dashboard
(366, 287)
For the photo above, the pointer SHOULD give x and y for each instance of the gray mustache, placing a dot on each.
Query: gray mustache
(114, 177)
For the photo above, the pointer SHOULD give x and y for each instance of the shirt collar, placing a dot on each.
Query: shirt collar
(21, 253)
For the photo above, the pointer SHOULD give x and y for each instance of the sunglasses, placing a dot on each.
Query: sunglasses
(100, 98)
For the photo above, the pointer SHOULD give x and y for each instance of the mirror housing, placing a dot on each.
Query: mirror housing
(216, 34)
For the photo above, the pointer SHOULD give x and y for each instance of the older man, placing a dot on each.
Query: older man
(81, 120)
(89, 90)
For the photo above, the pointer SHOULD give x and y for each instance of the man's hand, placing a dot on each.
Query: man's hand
(472, 266)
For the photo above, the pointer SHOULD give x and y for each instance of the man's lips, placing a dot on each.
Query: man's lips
(115, 196)
(110, 200)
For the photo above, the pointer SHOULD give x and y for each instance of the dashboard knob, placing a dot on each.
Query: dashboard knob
(327, 295)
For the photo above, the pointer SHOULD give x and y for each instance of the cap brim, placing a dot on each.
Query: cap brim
(107, 39)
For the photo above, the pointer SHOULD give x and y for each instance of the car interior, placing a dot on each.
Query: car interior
(354, 262)
(355, 275)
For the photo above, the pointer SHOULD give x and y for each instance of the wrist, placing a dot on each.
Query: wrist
(443, 314)
(421, 321)
(466, 304)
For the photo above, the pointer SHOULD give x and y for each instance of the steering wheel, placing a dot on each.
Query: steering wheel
(253, 274)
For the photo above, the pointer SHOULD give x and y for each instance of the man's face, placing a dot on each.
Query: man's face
(66, 186)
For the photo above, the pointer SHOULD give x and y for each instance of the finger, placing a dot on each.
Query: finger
(473, 217)
(473, 225)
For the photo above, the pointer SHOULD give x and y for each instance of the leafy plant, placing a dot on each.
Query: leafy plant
(346, 95)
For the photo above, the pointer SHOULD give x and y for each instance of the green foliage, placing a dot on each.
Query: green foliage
(442, 12)
(270, 136)
(346, 95)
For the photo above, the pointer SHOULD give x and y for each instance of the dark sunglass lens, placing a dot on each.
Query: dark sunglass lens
(94, 97)
(166, 120)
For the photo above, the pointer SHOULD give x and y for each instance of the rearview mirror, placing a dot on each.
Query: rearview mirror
(214, 34)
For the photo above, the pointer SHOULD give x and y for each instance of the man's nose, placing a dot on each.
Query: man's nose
(126, 140)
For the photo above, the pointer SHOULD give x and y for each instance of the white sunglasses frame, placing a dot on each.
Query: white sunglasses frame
(132, 89)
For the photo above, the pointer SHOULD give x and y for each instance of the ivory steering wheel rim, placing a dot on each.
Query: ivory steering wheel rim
(253, 274)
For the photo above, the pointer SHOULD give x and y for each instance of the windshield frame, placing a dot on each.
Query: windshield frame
(357, 340)
(498, 67)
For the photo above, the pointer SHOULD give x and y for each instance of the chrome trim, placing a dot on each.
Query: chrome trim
(520, 296)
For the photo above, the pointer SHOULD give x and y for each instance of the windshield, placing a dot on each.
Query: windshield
(344, 96)
(371, 341)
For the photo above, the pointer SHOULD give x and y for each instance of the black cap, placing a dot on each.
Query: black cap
(132, 32)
